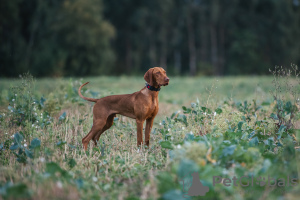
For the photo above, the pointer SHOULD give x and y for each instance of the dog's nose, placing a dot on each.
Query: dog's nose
(167, 79)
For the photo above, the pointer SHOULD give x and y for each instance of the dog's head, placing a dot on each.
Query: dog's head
(156, 77)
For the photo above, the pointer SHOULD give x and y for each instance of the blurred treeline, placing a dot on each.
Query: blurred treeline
(100, 37)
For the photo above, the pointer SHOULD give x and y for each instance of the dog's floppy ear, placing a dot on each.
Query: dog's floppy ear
(149, 76)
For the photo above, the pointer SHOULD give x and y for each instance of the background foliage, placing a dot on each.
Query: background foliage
(92, 37)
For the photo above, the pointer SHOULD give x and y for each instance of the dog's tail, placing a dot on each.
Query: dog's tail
(85, 98)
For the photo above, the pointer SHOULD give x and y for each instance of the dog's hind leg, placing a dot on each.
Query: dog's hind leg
(98, 126)
(109, 123)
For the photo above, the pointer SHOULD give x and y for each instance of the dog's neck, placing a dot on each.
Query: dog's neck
(152, 88)
(147, 92)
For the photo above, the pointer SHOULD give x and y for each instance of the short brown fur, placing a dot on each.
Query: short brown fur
(141, 106)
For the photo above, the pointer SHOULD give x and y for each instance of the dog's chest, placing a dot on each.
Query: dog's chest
(153, 107)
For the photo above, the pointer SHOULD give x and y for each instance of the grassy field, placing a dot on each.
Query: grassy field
(216, 126)
(181, 91)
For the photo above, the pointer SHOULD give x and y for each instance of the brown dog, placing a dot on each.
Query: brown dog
(141, 106)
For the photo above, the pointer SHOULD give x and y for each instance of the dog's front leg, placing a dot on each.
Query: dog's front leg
(149, 123)
(139, 127)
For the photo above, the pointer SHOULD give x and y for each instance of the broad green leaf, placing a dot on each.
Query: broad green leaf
(273, 116)
(165, 182)
(271, 139)
(193, 105)
(79, 183)
(281, 129)
(244, 136)
(35, 143)
(258, 123)
(254, 141)
(42, 101)
(72, 146)
(245, 105)
(218, 111)
(61, 143)
(71, 163)
(14, 146)
(251, 134)
(62, 117)
(229, 150)
(279, 136)
(18, 190)
(28, 153)
(279, 143)
(21, 158)
(226, 142)
(174, 194)
(240, 124)
(266, 165)
(166, 144)
(174, 114)
(52, 168)
(208, 111)
(266, 142)
(18, 138)
(288, 107)
(265, 103)
(189, 136)
(186, 167)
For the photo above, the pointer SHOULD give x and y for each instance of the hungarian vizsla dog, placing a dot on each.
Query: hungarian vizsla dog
(141, 106)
